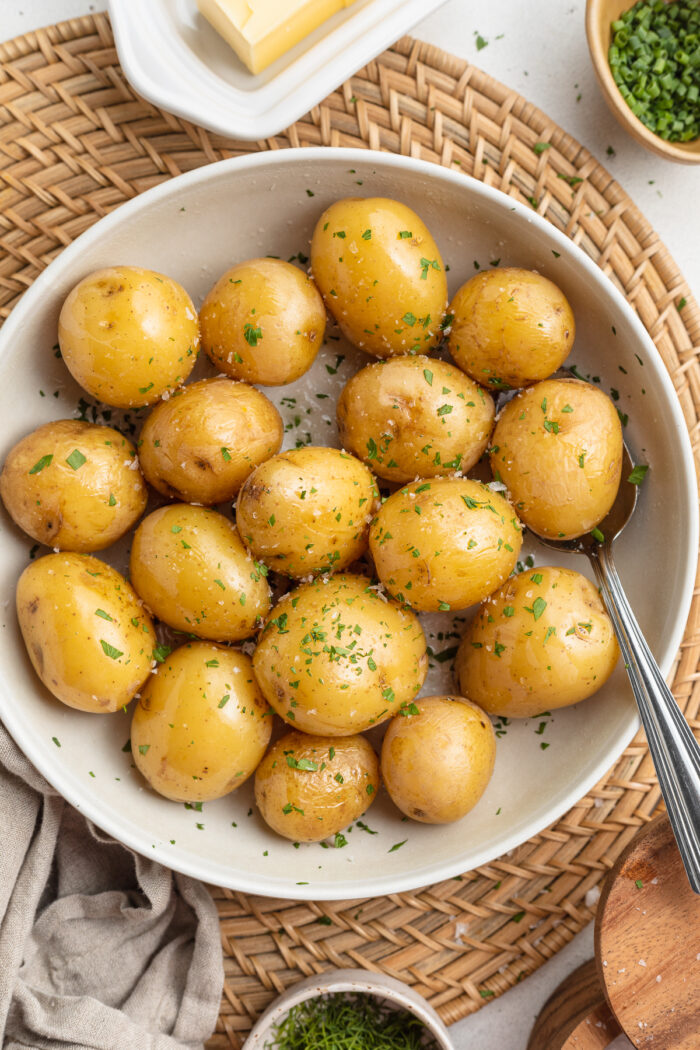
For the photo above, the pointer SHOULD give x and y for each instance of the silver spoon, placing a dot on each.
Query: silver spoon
(674, 750)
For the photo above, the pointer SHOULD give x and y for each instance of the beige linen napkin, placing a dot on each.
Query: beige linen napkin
(100, 948)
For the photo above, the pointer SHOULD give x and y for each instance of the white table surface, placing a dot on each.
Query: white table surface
(539, 48)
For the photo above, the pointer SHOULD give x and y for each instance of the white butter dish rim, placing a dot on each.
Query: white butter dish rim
(177, 78)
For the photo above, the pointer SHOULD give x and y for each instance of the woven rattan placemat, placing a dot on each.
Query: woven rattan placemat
(75, 141)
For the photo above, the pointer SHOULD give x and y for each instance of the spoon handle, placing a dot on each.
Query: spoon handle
(674, 750)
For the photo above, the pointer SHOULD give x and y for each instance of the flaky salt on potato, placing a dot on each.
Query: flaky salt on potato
(307, 511)
(309, 787)
(128, 335)
(414, 416)
(557, 447)
(542, 641)
(201, 444)
(73, 485)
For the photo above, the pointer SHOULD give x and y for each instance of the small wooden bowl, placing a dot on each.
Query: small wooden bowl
(599, 15)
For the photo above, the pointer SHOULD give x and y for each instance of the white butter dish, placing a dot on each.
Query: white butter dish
(175, 59)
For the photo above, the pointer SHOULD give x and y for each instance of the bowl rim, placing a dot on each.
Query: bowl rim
(361, 981)
(523, 829)
(681, 152)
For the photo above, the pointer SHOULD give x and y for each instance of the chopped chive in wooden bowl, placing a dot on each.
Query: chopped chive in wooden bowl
(654, 58)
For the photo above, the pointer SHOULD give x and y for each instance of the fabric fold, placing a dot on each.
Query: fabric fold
(100, 948)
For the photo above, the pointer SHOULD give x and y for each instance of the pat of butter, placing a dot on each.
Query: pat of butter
(259, 31)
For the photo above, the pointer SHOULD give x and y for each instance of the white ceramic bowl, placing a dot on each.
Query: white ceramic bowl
(174, 58)
(196, 226)
(353, 982)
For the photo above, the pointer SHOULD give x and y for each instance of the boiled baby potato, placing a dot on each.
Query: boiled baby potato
(128, 335)
(557, 447)
(307, 511)
(191, 569)
(381, 275)
(542, 641)
(87, 634)
(201, 724)
(336, 657)
(201, 444)
(510, 327)
(437, 758)
(445, 543)
(263, 321)
(73, 485)
(309, 787)
(414, 417)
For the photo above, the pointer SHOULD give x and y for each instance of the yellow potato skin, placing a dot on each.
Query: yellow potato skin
(561, 463)
(263, 321)
(68, 605)
(336, 658)
(437, 758)
(542, 641)
(412, 417)
(201, 444)
(191, 569)
(307, 511)
(128, 335)
(201, 724)
(510, 327)
(77, 508)
(386, 290)
(444, 543)
(309, 804)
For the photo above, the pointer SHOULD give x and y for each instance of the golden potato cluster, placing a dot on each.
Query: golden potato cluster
(337, 653)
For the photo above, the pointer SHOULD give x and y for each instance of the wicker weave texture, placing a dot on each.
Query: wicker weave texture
(76, 141)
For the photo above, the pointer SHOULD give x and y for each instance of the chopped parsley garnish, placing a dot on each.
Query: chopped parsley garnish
(76, 459)
(251, 334)
(109, 650)
(638, 474)
(41, 463)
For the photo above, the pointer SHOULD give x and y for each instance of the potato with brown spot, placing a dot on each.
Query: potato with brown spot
(412, 417)
(201, 724)
(307, 511)
(336, 657)
(542, 641)
(263, 321)
(437, 758)
(73, 485)
(310, 787)
(557, 447)
(381, 275)
(510, 327)
(201, 444)
(128, 335)
(444, 543)
(191, 569)
(87, 634)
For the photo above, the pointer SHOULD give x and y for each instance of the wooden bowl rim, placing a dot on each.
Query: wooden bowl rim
(598, 44)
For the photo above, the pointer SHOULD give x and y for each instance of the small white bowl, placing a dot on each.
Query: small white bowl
(358, 982)
(175, 59)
